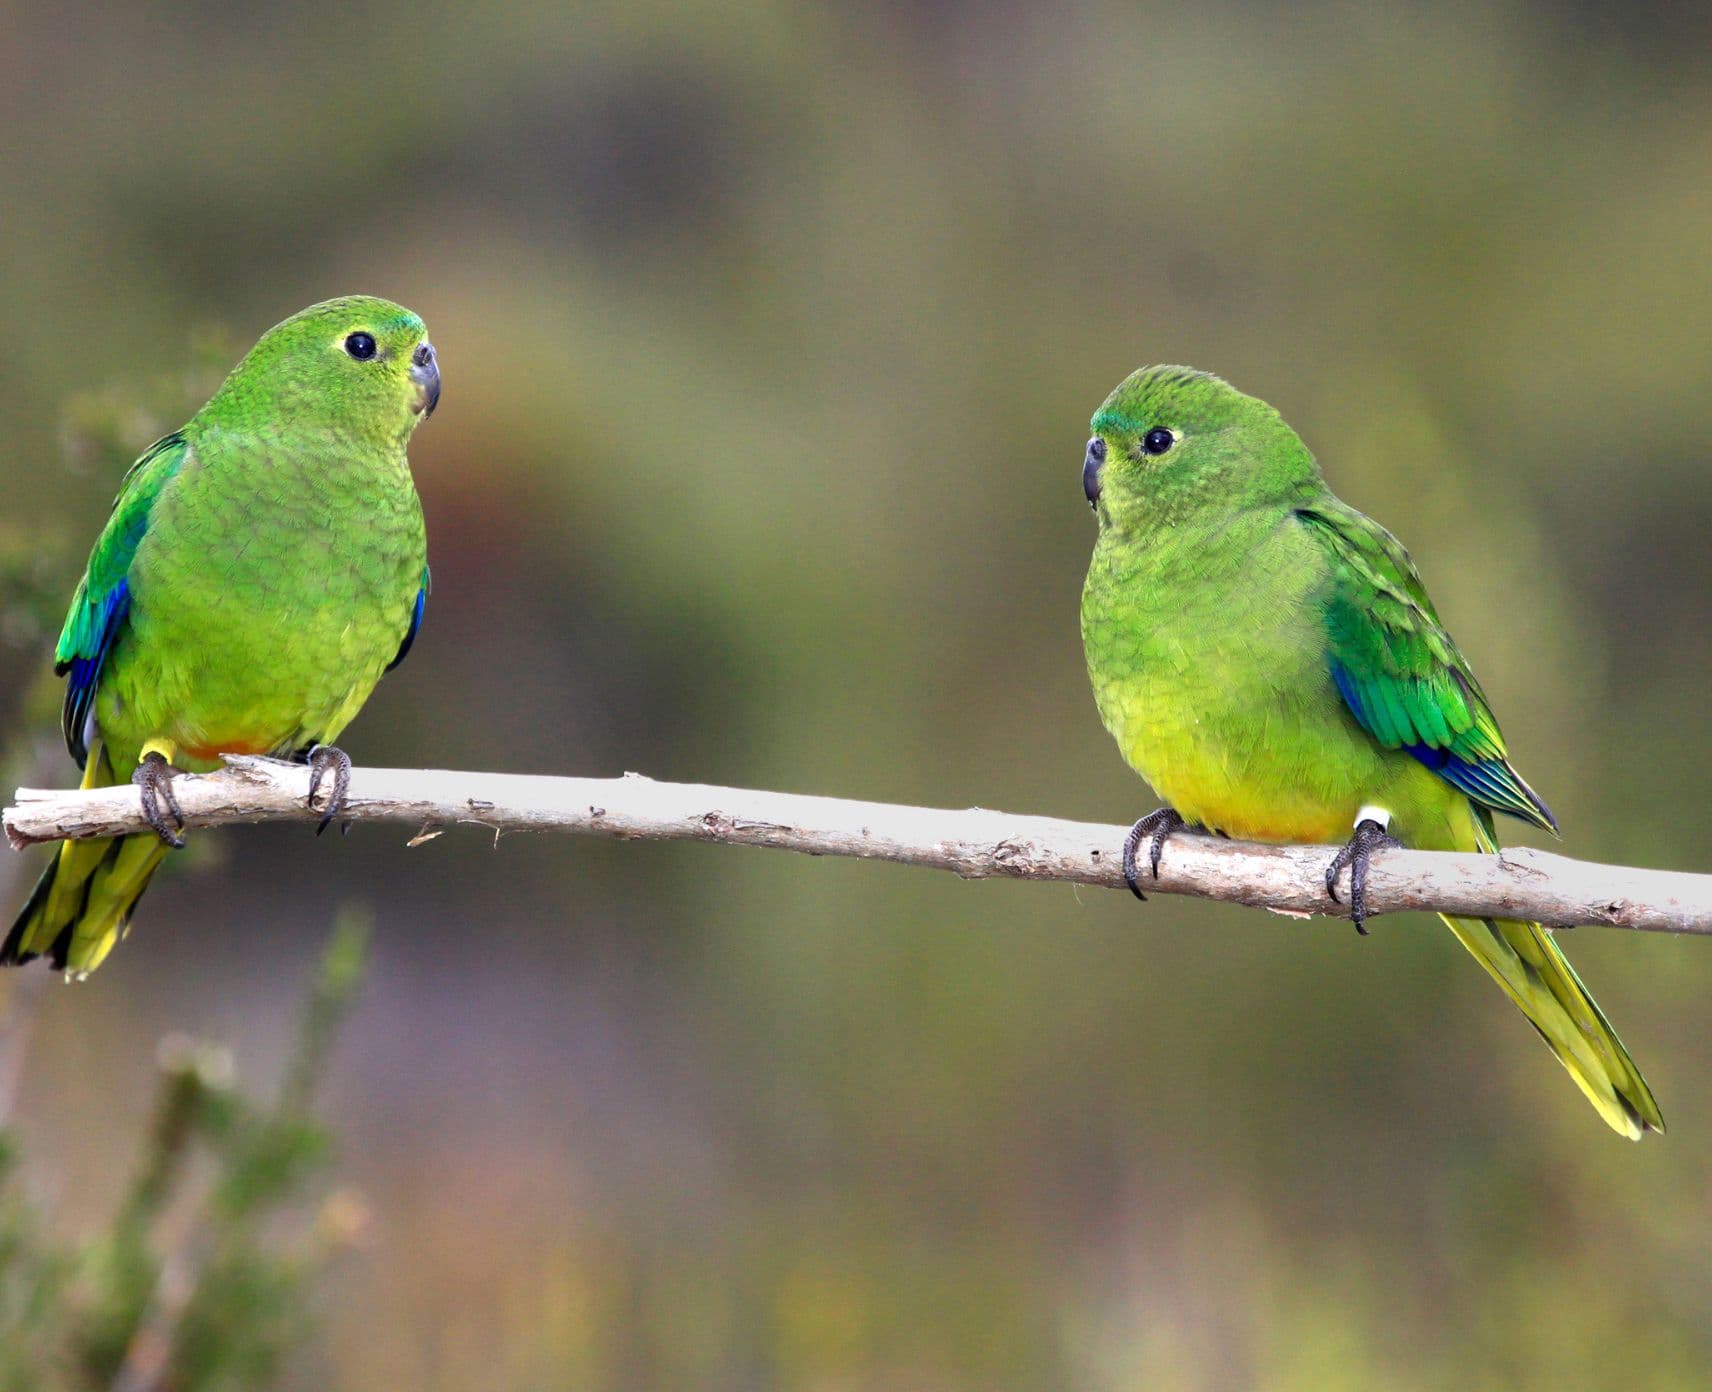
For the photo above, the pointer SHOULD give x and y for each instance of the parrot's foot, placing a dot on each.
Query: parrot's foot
(1159, 825)
(1369, 837)
(153, 778)
(324, 759)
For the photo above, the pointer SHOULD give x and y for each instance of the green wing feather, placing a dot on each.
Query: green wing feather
(1400, 673)
(102, 601)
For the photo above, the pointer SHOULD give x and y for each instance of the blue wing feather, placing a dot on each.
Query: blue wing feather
(415, 622)
(1400, 674)
(103, 599)
(85, 671)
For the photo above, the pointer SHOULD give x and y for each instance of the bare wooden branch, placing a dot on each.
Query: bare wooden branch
(973, 842)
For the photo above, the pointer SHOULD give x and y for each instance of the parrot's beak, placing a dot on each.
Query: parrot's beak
(425, 372)
(1093, 462)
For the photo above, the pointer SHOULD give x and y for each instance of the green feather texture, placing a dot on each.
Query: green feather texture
(260, 570)
(1268, 658)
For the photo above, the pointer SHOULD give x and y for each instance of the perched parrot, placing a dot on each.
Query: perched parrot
(1267, 658)
(262, 567)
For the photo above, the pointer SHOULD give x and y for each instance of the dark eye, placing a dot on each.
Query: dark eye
(361, 346)
(1158, 440)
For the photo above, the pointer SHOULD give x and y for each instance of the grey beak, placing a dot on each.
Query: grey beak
(425, 372)
(1092, 463)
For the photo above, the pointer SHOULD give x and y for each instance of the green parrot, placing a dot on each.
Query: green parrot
(262, 567)
(1267, 658)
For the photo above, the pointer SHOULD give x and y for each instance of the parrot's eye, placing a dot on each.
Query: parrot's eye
(1158, 440)
(360, 345)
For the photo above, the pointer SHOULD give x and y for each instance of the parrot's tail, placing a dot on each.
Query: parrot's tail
(1526, 962)
(84, 899)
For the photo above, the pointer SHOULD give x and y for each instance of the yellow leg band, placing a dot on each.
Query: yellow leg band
(164, 747)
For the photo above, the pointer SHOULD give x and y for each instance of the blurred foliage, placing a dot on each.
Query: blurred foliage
(199, 1284)
(770, 333)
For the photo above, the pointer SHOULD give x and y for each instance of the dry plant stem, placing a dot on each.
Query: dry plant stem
(973, 842)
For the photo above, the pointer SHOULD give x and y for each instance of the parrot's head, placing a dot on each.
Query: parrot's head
(357, 365)
(1173, 443)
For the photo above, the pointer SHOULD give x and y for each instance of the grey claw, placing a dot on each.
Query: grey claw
(153, 779)
(1356, 853)
(1158, 824)
(325, 758)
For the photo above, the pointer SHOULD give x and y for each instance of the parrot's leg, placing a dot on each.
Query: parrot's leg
(153, 778)
(1370, 836)
(1158, 824)
(324, 759)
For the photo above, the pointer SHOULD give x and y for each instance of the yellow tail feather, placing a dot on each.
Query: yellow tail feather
(1525, 961)
(84, 899)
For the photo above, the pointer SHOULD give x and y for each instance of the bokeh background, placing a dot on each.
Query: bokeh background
(770, 334)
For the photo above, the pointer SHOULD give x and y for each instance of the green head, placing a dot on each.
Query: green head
(352, 367)
(1172, 443)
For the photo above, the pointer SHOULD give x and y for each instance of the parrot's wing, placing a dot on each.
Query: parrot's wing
(416, 622)
(1400, 673)
(103, 597)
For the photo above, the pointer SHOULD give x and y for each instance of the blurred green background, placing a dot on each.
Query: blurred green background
(770, 334)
